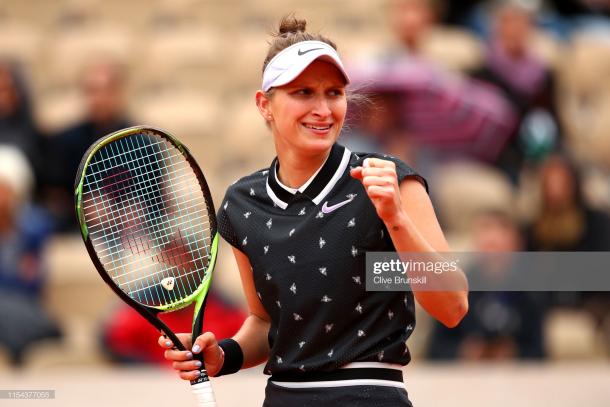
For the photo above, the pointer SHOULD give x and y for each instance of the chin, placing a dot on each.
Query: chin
(318, 146)
(319, 142)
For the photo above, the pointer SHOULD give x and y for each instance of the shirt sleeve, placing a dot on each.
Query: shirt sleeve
(403, 171)
(225, 227)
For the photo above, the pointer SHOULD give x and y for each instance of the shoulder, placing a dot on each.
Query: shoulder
(73, 131)
(236, 199)
(249, 185)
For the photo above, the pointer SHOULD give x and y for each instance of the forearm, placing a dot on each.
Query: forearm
(445, 295)
(252, 338)
(406, 237)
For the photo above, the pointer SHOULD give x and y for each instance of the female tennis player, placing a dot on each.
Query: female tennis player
(300, 230)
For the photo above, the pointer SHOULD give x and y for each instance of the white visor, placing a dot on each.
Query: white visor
(290, 62)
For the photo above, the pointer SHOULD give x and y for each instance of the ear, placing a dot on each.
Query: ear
(263, 103)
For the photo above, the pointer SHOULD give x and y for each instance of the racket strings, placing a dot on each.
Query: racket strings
(148, 218)
(186, 176)
(104, 217)
(112, 224)
(110, 161)
(156, 258)
(121, 238)
(146, 228)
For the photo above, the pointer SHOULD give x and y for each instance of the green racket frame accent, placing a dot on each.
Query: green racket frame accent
(201, 291)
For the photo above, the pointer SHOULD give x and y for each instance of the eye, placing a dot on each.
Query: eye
(303, 92)
(336, 92)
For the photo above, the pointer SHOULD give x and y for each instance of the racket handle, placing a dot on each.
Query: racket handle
(202, 389)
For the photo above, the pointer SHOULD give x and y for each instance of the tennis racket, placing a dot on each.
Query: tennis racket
(147, 219)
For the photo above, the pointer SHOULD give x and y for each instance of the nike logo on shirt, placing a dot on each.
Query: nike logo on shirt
(305, 52)
(332, 208)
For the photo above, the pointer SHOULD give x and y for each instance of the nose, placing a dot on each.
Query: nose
(321, 107)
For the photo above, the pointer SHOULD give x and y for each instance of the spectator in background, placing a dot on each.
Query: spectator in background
(562, 18)
(426, 106)
(411, 20)
(565, 222)
(126, 337)
(103, 88)
(525, 80)
(17, 126)
(500, 325)
(23, 233)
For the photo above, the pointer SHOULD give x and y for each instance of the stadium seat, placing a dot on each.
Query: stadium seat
(54, 110)
(584, 99)
(462, 189)
(570, 335)
(20, 42)
(78, 298)
(453, 48)
(180, 111)
(72, 49)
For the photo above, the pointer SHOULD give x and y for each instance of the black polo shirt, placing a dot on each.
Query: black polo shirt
(307, 251)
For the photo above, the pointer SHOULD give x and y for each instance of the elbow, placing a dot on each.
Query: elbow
(456, 312)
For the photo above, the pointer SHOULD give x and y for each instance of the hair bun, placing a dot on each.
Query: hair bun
(290, 25)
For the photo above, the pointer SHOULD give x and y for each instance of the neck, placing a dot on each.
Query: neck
(297, 168)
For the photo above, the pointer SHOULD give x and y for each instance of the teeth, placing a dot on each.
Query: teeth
(317, 128)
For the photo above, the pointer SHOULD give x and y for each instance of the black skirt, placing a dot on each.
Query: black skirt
(353, 396)
(342, 387)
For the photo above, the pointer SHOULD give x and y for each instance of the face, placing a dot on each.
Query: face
(512, 29)
(410, 19)
(558, 184)
(495, 234)
(103, 93)
(307, 114)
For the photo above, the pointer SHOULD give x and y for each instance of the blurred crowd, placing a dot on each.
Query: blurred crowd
(497, 123)
(501, 105)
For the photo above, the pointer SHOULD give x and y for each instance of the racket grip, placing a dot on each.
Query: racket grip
(203, 392)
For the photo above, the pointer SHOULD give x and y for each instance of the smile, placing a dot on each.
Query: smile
(319, 128)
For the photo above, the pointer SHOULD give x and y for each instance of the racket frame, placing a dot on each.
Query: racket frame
(150, 313)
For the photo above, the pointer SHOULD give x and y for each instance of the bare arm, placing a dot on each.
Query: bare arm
(417, 230)
(410, 219)
(252, 336)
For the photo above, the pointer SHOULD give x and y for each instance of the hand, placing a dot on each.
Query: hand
(183, 361)
(381, 184)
